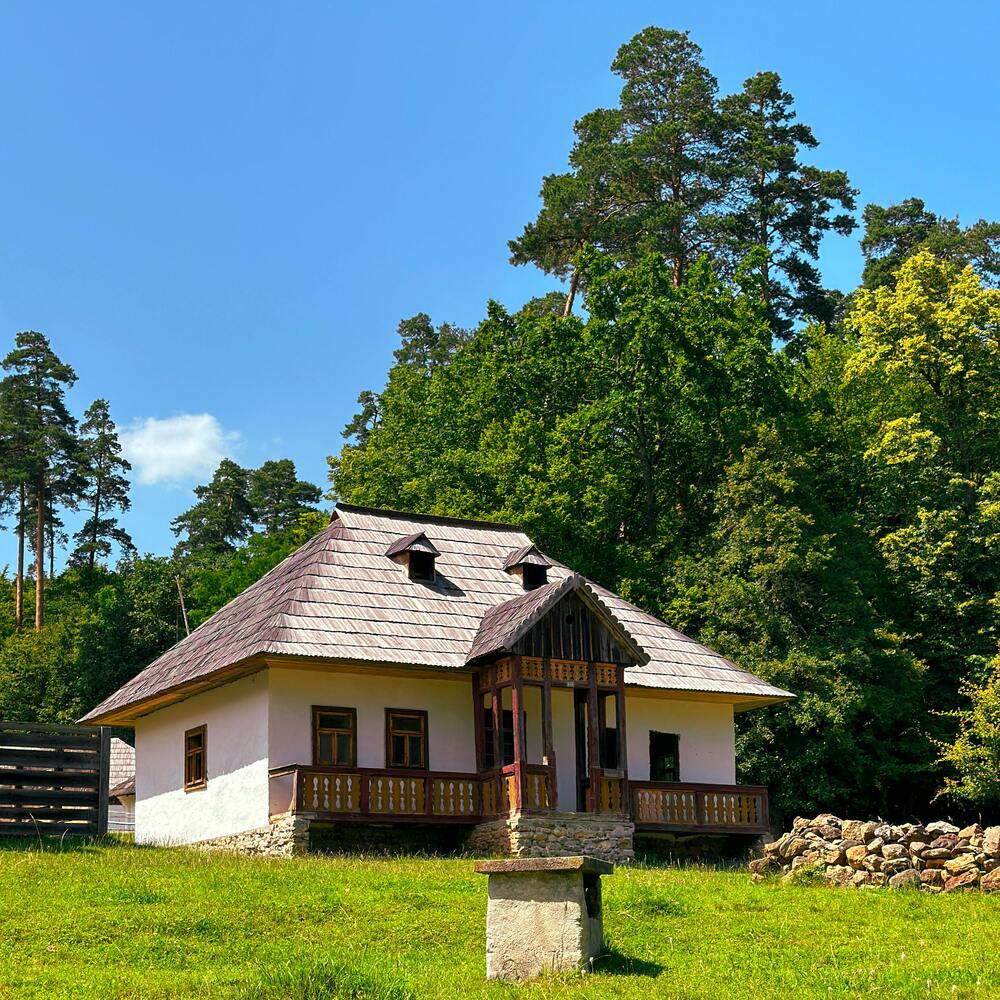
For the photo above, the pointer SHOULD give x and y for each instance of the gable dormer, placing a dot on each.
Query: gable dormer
(529, 566)
(417, 554)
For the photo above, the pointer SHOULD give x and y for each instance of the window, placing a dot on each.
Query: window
(421, 565)
(534, 576)
(664, 757)
(335, 736)
(506, 738)
(405, 738)
(195, 749)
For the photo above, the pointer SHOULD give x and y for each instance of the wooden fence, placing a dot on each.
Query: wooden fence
(53, 779)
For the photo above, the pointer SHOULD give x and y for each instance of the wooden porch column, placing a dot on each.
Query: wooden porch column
(516, 703)
(477, 720)
(622, 739)
(497, 744)
(548, 743)
(593, 754)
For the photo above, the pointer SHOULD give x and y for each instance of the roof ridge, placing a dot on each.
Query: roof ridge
(433, 518)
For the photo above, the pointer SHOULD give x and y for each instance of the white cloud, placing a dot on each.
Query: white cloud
(176, 449)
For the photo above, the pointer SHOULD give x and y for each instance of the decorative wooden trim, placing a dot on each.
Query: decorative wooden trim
(413, 712)
(567, 673)
(196, 785)
(353, 713)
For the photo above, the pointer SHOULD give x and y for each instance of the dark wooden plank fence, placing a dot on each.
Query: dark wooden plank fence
(53, 779)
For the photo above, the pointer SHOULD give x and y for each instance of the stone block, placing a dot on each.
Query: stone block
(991, 840)
(907, 879)
(964, 880)
(543, 914)
(940, 827)
(855, 829)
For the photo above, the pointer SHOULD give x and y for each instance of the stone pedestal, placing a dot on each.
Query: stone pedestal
(543, 914)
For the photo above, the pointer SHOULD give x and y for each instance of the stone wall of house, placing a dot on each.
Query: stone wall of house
(526, 835)
(938, 857)
(285, 837)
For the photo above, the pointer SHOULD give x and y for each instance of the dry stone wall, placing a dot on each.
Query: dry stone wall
(938, 857)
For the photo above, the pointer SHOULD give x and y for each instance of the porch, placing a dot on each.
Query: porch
(381, 795)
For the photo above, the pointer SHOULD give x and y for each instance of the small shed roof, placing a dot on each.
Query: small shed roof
(121, 769)
(417, 542)
(526, 554)
(339, 597)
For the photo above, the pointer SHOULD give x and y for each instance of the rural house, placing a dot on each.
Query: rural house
(401, 674)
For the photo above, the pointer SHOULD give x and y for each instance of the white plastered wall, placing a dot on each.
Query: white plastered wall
(451, 740)
(235, 798)
(707, 736)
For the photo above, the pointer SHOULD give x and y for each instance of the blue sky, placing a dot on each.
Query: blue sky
(219, 212)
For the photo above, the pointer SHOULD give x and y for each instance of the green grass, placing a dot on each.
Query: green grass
(124, 921)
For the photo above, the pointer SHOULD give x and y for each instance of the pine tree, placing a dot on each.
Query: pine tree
(107, 487)
(278, 497)
(649, 175)
(35, 389)
(780, 203)
(223, 516)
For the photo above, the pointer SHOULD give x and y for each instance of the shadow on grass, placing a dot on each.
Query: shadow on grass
(615, 963)
(66, 844)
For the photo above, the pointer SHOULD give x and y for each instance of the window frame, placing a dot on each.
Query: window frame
(318, 710)
(189, 754)
(677, 756)
(419, 713)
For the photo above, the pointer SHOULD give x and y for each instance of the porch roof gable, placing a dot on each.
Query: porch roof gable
(505, 624)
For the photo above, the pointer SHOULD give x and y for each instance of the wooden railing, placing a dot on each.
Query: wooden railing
(609, 794)
(384, 795)
(699, 808)
(378, 793)
(538, 793)
(430, 796)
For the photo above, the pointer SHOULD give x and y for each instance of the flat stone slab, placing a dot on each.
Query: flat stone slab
(579, 863)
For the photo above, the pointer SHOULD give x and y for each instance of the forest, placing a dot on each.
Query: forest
(805, 479)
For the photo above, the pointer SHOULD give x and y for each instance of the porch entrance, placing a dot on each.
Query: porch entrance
(550, 735)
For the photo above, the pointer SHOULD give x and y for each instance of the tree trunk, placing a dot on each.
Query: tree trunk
(97, 513)
(573, 282)
(40, 555)
(19, 584)
(52, 545)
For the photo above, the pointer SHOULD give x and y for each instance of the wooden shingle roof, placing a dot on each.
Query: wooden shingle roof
(340, 597)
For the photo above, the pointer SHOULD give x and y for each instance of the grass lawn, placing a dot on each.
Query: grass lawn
(123, 921)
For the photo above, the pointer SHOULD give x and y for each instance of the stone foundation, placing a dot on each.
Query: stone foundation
(542, 835)
(287, 836)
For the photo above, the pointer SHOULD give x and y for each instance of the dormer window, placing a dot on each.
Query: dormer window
(529, 566)
(417, 554)
(421, 566)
